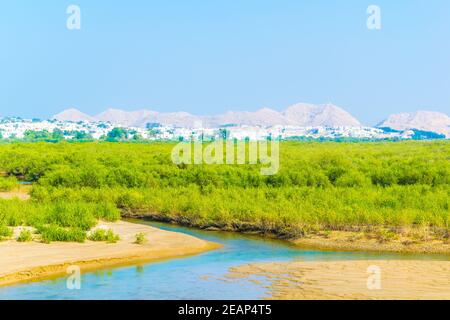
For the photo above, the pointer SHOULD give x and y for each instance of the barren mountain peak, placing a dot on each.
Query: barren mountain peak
(72, 114)
(422, 120)
(300, 114)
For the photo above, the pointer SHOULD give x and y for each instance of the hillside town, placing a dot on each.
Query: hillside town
(32, 129)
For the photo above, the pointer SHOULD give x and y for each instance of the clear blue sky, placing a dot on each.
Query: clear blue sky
(209, 56)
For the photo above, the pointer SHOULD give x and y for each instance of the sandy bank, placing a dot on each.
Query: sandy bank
(353, 241)
(29, 261)
(348, 280)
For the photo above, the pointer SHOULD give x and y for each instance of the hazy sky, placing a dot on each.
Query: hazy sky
(209, 56)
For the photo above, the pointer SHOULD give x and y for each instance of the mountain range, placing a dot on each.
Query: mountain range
(301, 114)
(422, 120)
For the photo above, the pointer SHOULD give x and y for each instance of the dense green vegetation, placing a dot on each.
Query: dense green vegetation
(320, 186)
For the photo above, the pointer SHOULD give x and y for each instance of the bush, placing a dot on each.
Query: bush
(352, 179)
(55, 233)
(25, 236)
(104, 235)
(74, 215)
(141, 238)
(7, 184)
(107, 211)
(5, 232)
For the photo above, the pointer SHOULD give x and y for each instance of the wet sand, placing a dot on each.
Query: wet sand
(33, 260)
(352, 280)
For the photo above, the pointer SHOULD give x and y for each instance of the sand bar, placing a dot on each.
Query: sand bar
(33, 260)
(353, 280)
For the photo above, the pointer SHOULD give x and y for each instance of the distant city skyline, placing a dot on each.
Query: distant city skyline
(206, 57)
